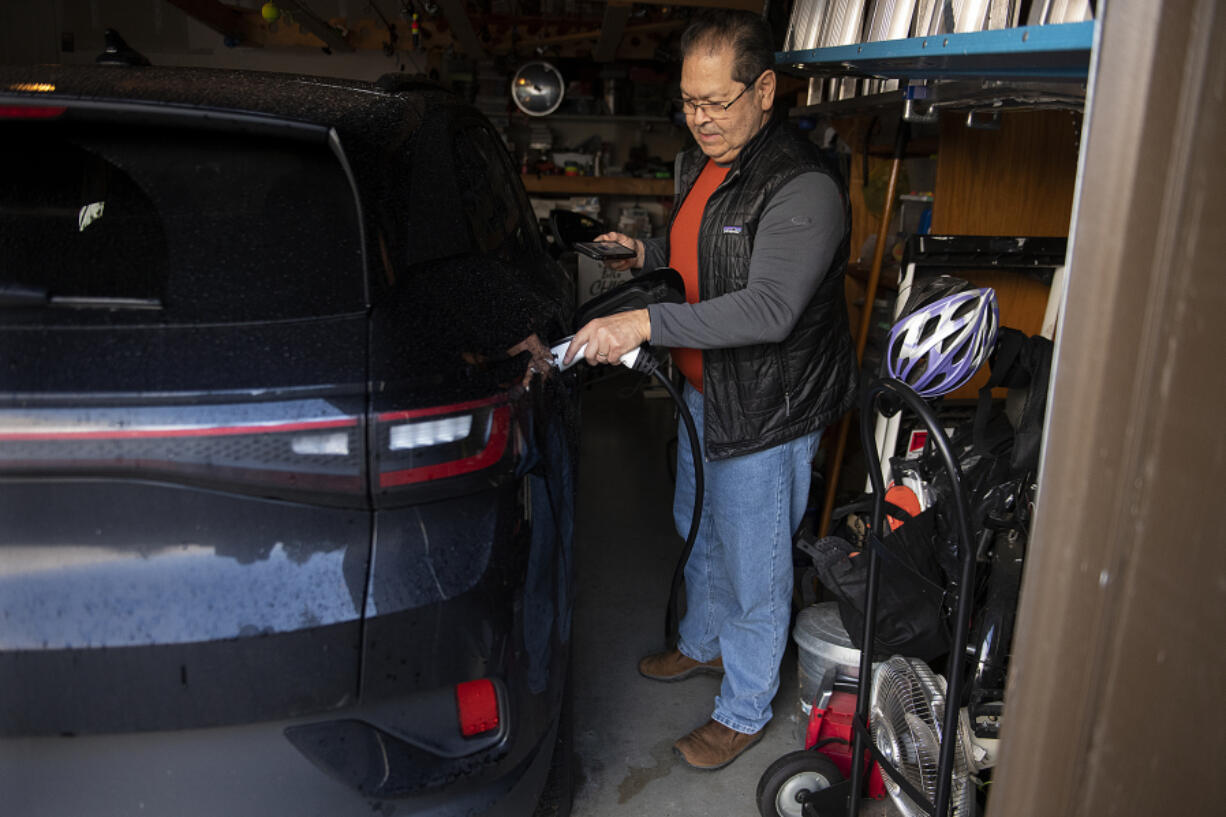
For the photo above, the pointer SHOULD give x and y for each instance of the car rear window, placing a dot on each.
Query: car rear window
(490, 195)
(463, 199)
(114, 223)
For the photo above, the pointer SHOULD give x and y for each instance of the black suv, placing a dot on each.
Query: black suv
(285, 517)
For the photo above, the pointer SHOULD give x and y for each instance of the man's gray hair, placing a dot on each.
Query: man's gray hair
(747, 33)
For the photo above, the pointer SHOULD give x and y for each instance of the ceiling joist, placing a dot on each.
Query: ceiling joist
(755, 6)
(611, 30)
(227, 21)
(452, 28)
(462, 28)
(331, 37)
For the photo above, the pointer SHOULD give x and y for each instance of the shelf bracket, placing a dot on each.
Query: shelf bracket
(918, 110)
(983, 120)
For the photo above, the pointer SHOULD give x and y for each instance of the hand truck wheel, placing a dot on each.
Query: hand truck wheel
(790, 780)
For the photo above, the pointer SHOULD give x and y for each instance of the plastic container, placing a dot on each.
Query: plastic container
(822, 644)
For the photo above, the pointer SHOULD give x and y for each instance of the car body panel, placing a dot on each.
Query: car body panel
(112, 624)
(241, 771)
(259, 519)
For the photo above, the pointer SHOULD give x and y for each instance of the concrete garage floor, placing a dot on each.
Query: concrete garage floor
(626, 550)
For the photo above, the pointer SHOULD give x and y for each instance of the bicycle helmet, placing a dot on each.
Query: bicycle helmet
(925, 291)
(937, 348)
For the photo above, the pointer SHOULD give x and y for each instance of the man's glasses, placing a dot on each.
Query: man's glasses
(714, 110)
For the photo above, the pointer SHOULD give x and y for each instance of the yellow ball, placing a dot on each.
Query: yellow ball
(270, 12)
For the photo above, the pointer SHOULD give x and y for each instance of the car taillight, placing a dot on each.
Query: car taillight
(282, 448)
(477, 707)
(31, 111)
(440, 442)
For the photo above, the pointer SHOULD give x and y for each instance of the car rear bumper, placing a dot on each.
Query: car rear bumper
(256, 769)
(395, 747)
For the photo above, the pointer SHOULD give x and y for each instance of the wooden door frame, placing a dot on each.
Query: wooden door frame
(1118, 674)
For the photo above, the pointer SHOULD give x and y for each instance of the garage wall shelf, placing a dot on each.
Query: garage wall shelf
(985, 95)
(604, 119)
(598, 185)
(1028, 53)
(1007, 160)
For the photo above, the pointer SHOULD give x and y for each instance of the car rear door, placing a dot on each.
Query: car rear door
(455, 432)
(184, 522)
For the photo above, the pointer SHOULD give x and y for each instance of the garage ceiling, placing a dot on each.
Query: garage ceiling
(603, 31)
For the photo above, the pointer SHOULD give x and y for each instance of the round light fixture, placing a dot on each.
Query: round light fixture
(537, 88)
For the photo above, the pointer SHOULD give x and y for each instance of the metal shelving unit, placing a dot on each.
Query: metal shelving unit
(1058, 52)
(1025, 67)
(984, 71)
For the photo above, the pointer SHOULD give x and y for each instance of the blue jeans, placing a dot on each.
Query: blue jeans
(738, 580)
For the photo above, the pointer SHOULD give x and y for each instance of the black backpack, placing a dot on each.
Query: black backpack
(1022, 364)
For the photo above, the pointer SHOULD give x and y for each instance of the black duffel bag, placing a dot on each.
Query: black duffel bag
(910, 594)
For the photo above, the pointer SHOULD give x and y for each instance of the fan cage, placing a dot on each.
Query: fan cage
(907, 710)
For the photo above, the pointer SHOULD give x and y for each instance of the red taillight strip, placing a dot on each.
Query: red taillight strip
(201, 431)
(457, 408)
(31, 111)
(495, 447)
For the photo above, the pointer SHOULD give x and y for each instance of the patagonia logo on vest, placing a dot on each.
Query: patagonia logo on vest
(732, 229)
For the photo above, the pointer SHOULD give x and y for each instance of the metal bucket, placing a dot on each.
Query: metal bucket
(822, 645)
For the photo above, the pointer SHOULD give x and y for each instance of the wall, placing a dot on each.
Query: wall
(28, 32)
(1017, 180)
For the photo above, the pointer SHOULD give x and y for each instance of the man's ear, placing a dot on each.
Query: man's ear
(766, 89)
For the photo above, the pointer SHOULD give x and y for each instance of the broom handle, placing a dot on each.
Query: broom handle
(870, 294)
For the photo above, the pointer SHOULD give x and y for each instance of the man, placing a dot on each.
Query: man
(760, 234)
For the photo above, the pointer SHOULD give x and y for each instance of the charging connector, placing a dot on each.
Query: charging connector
(634, 359)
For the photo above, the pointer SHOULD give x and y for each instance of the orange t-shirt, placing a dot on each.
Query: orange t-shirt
(683, 256)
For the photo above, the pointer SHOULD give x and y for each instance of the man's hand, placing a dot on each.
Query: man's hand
(611, 337)
(542, 358)
(625, 241)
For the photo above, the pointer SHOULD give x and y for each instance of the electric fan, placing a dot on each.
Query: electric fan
(906, 713)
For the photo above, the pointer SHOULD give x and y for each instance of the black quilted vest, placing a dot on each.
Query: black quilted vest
(766, 394)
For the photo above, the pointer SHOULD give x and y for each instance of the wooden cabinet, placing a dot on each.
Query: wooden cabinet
(1013, 180)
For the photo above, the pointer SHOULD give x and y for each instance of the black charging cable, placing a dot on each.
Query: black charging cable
(648, 363)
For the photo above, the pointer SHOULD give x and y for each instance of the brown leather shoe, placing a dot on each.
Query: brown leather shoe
(713, 745)
(677, 666)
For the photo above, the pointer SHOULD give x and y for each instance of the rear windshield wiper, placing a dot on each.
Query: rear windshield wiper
(15, 294)
(104, 302)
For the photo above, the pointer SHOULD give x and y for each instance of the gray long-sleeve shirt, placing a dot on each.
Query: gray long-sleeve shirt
(797, 236)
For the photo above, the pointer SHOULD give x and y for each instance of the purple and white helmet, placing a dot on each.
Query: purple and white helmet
(938, 347)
